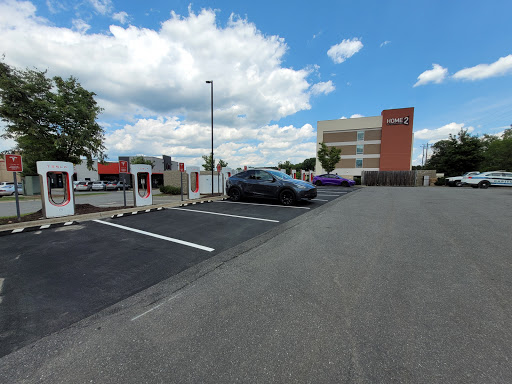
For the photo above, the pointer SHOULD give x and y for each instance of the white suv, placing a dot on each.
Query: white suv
(486, 179)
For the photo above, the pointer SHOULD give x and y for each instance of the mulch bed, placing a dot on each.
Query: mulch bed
(80, 209)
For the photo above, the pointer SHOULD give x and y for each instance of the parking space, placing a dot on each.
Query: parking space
(51, 279)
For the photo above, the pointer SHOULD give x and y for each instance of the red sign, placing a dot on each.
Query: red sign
(182, 167)
(123, 166)
(13, 163)
(245, 167)
(218, 167)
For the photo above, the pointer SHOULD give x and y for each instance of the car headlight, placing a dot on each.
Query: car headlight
(302, 186)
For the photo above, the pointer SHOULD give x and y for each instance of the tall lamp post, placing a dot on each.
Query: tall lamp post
(211, 84)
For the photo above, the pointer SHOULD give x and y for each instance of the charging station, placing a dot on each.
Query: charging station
(311, 177)
(193, 174)
(303, 175)
(142, 192)
(294, 174)
(57, 194)
(226, 174)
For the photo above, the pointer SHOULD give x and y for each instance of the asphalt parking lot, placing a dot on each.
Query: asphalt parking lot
(53, 278)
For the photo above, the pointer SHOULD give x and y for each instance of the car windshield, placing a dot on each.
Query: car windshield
(279, 175)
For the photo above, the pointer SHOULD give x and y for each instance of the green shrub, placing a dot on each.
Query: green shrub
(170, 190)
(440, 181)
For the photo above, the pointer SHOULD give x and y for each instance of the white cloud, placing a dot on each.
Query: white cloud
(344, 50)
(80, 25)
(441, 133)
(435, 75)
(239, 146)
(384, 43)
(102, 6)
(356, 116)
(501, 67)
(162, 72)
(323, 88)
(122, 17)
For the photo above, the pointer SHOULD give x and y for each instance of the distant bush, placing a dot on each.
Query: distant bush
(170, 190)
(440, 181)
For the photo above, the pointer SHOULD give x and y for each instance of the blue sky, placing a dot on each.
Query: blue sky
(278, 67)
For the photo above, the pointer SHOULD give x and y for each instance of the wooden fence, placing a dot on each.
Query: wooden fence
(389, 178)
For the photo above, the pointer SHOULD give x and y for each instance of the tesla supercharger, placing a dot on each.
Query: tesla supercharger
(311, 177)
(56, 204)
(294, 174)
(303, 175)
(142, 193)
(193, 174)
(226, 174)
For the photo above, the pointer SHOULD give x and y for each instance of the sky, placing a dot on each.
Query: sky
(277, 67)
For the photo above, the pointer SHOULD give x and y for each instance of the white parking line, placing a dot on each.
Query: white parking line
(318, 200)
(328, 195)
(267, 205)
(182, 242)
(225, 214)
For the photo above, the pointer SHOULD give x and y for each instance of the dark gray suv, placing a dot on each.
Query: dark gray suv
(268, 183)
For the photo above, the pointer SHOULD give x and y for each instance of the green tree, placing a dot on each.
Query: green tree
(498, 152)
(141, 160)
(223, 163)
(328, 157)
(287, 166)
(309, 164)
(458, 154)
(209, 162)
(49, 118)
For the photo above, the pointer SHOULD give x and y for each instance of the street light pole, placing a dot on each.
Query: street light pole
(211, 84)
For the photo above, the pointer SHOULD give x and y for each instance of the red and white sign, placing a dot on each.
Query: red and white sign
(13, 163)
(245, 167)
(218, 167)
(182, 167)
(123, 166)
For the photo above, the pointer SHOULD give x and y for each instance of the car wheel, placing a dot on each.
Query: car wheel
(287, 197)
(235, 194)
(458, 183)
(345, 184)
(484, 184)
(318, 182)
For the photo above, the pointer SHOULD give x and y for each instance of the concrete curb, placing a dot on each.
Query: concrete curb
(27, 226)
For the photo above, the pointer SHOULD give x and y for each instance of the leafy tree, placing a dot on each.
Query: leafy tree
(49, 118)
(309, 164)
(458, 154)
(498, 152)
(287, 166)
(209, 162)
(223, 163)
(328, 157)
(141, 160)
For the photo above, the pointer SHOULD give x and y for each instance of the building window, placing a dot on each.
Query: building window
(360, 135)
(360, 149)
(359, 163)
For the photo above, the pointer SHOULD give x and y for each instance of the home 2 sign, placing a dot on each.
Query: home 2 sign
(398, 121)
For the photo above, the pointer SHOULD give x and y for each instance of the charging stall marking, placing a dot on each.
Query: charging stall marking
(193, 173)
(56, 172)
(142, 193)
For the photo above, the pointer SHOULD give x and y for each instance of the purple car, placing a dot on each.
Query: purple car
(328, 179)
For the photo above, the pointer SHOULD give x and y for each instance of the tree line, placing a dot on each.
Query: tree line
(464, 152)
